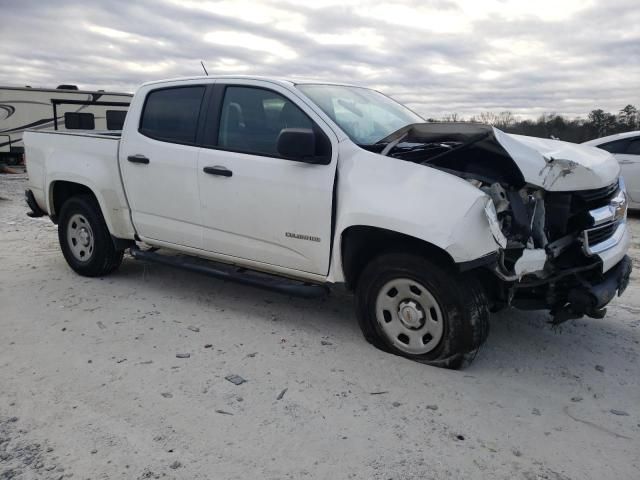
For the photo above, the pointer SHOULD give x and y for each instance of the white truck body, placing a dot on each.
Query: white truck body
(294, 218)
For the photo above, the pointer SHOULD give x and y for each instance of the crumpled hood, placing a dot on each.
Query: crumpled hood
(559, 166)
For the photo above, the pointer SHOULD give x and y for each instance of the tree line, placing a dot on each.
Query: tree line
(550, 125)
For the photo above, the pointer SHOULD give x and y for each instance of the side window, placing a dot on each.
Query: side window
(619, 146)
(115, 119)
(252, 118)
(171, 114)
(79, 121)
(634, 147)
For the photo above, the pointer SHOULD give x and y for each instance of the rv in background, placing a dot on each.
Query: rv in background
(63, 108)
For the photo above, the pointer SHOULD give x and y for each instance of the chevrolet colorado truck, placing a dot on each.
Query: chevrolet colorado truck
(297, 186)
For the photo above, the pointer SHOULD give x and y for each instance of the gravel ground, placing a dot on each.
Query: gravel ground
(92, 386)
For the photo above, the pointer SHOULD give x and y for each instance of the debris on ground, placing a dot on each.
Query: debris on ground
(175, 465)
(183, 355)
(235, 379)
(281, 394)
(325, 342)
(193, 329)
(600, 368)
(379, 393)
(620, 413)
(208, 345)
(223, 412)
(432, 407)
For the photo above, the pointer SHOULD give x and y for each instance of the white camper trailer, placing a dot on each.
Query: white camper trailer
(63, 108)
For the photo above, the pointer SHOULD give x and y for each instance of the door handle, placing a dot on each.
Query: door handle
(625, 162)
(138, 159)
(217, 170)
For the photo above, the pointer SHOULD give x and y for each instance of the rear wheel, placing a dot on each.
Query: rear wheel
(85, 239)
(422, 310)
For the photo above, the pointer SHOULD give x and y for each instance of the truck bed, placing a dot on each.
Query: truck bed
(87, 158)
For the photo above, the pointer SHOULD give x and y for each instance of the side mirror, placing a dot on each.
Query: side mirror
(297, 144)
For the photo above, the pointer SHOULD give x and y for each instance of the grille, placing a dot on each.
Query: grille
(570, 211)
(597, 235)
(598, 197)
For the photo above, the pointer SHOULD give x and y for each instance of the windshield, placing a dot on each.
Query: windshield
(365, 115)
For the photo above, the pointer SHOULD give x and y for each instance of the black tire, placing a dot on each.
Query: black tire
(463, 307)
(103, 258)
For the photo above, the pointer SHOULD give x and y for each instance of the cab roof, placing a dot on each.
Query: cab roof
(277, 80)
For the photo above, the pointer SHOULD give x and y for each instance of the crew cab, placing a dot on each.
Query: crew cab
(298, 186)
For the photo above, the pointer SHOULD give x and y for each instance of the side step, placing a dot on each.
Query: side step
(234, 274)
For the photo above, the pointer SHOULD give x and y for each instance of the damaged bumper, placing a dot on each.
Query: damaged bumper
(591, 298)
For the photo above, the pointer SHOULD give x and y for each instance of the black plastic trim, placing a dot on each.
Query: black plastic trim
(36, 211)
(240, 275)
(489, 259)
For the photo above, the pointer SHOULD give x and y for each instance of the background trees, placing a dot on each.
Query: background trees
(550, 125)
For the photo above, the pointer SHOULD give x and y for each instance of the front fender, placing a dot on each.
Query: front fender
(412, 199)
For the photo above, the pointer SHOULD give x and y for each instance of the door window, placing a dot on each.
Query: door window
(171, 114)
(634, 147)
(619, 146)
(252, 118)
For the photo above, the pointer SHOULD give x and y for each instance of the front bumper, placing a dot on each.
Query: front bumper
(594, 296)
(584, 291)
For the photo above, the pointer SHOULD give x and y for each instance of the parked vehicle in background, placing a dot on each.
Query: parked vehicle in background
(625, 147)
(63, 108)
(314, 184)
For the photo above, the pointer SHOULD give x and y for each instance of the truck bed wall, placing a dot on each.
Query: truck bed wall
(83, 158)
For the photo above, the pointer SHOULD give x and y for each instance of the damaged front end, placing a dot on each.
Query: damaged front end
(555, 210)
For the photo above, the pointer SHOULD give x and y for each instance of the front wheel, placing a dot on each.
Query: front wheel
(422, 310)
(84, 238)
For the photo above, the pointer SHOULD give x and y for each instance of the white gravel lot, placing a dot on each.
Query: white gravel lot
(92, 388)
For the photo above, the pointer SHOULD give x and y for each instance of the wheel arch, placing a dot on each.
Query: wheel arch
(359, 244)
(62, 190)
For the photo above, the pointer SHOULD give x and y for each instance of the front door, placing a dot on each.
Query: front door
(159, 162)
(255, 204)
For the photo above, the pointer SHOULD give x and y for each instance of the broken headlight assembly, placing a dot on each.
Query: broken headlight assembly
(494, 223)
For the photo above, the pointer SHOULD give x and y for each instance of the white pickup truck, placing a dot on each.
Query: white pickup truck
(297, 186)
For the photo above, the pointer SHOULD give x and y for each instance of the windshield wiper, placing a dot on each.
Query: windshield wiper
(385, 151)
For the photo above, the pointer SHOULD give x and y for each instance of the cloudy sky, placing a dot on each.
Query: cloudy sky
(438, 56)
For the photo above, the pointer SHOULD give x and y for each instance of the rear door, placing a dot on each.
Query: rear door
(159, 163)
(257, 205)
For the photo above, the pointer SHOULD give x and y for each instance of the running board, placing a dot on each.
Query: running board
(234, 274)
